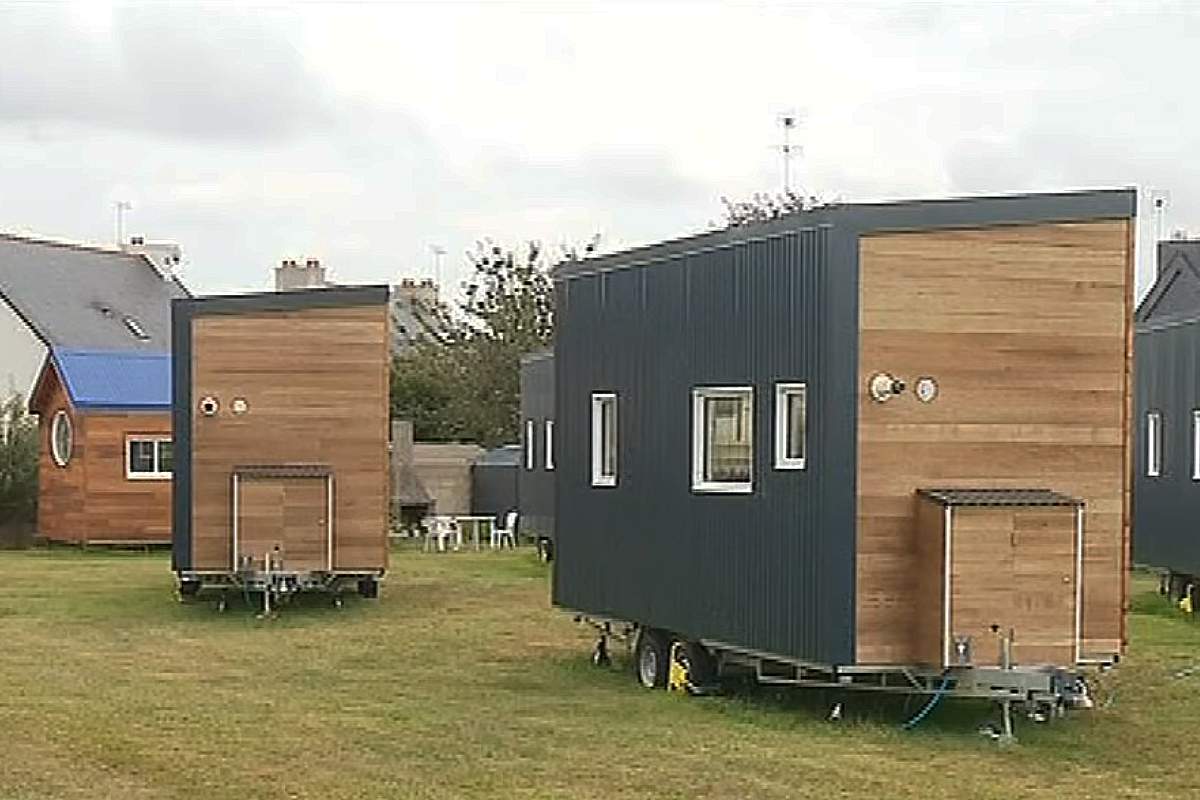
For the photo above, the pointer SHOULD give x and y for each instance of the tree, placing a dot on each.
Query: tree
(763, 206)
(462, 381)
(18, 462)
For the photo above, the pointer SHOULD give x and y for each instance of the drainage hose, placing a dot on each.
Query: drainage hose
(929, 706)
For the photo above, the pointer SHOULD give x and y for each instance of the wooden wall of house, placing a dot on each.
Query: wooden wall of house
(1027, 330)
(315, 382)
(120, 509)
(62, 513)
(90, 499)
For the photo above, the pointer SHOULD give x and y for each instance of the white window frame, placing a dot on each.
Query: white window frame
(1196, 444)
(530, 445)
(599, 401)
(61, 418)
(549, 432)
(699, 429)
(157, 474)
(1154, 441)
(783, 422)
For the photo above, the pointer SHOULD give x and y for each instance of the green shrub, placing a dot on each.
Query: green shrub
(18, 462)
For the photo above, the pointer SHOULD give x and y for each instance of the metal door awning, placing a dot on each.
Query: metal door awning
(999, 497)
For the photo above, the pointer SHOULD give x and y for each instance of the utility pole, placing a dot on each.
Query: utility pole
(121, 207)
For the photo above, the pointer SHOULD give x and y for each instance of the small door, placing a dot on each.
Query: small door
(1014, 569)
(290, 514)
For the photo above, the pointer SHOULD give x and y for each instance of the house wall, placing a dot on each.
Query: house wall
(62, 491)
(536, 486)
(1027, 329)
(90, 499)
(329, 407)
(21, 354)
(445, 472)
(772, 570)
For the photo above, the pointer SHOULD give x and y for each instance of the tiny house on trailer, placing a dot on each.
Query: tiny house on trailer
(879, 445)
(535, 481)
(1167, 468)
(281, 462)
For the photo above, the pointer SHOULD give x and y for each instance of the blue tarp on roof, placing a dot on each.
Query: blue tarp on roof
(115, 379)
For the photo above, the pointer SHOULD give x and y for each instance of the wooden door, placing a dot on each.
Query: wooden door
(290, 514)
(1014, 569)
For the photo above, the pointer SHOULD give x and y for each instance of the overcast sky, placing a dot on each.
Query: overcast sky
(366, 133)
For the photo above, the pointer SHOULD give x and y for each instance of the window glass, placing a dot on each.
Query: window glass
(604, 439)
(723, 452)
(62, 439)
(141, 456)
(166, 456)
(791, 425)
(530, 453)
(549, 444)
(1153, 444)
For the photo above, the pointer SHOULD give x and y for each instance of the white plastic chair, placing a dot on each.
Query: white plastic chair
(509, 532)
(437, 530)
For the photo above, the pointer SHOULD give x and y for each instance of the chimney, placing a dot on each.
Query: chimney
(165, 257)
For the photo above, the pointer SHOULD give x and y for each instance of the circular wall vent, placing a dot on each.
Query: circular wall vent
(209, 406)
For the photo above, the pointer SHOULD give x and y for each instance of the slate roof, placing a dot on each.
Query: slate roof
(999, 497)
(90, 298)
(113, 379)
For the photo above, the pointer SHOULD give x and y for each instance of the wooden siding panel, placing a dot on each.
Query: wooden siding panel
(1026, 331)
(316, 384)
(120, 509)
(62, 499)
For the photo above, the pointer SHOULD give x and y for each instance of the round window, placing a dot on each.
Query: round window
(61, 439)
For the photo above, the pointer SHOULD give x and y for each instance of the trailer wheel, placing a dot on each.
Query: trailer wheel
(652, 658)
(368, 588)
(700, 666)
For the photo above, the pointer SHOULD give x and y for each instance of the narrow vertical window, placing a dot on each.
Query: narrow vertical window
(530, 445)
(791, 425)
(1196, 444)
(604, 439)
(723, 439)
(1153, 444)
(549, 444)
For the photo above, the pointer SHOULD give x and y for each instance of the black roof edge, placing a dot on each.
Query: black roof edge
(891, 216)
(330, 297)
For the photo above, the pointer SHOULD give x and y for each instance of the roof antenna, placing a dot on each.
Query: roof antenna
(788, 121)
(121, 207)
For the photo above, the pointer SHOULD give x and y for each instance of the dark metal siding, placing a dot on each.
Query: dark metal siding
(773, 570)
(536, 486)
(1166, 510)
(494, 482)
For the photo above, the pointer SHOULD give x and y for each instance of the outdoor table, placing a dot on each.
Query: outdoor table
(477, 521)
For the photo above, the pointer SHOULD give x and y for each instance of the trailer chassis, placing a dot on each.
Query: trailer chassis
(1046, 691)
(275, 586)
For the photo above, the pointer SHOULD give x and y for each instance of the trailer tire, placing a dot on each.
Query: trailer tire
(701, 666)
(652, 658)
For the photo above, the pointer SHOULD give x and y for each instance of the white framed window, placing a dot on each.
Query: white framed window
(149, 458)
(62, 438)
(550, 444)
(791, 425)
(1196, 444)
(1153, 444)
(723, 439)
(530, 445)
(604, 439)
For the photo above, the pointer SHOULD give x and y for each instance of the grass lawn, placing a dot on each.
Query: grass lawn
(462, 682)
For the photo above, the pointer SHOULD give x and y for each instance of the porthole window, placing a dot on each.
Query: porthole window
(61, 439)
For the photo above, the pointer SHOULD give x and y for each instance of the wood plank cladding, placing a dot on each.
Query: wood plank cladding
(315, 385)
(1025, 330)
(91, 499)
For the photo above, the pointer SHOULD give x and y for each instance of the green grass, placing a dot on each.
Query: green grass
(463, 682)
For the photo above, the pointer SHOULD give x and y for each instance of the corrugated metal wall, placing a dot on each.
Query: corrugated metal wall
(494, 482)
(535, 486)
(773, 570)
(1166, 509)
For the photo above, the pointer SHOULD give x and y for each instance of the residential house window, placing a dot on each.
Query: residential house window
(791, 425)
(722, 439)
(549, 444)
(530, 445)
(1153, 444)
(149, 458)
(604, 439)
(62, 438)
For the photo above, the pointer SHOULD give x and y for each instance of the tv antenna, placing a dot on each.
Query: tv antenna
(1159, 201)
(438, 252)
(121, 206)
(788, 122)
